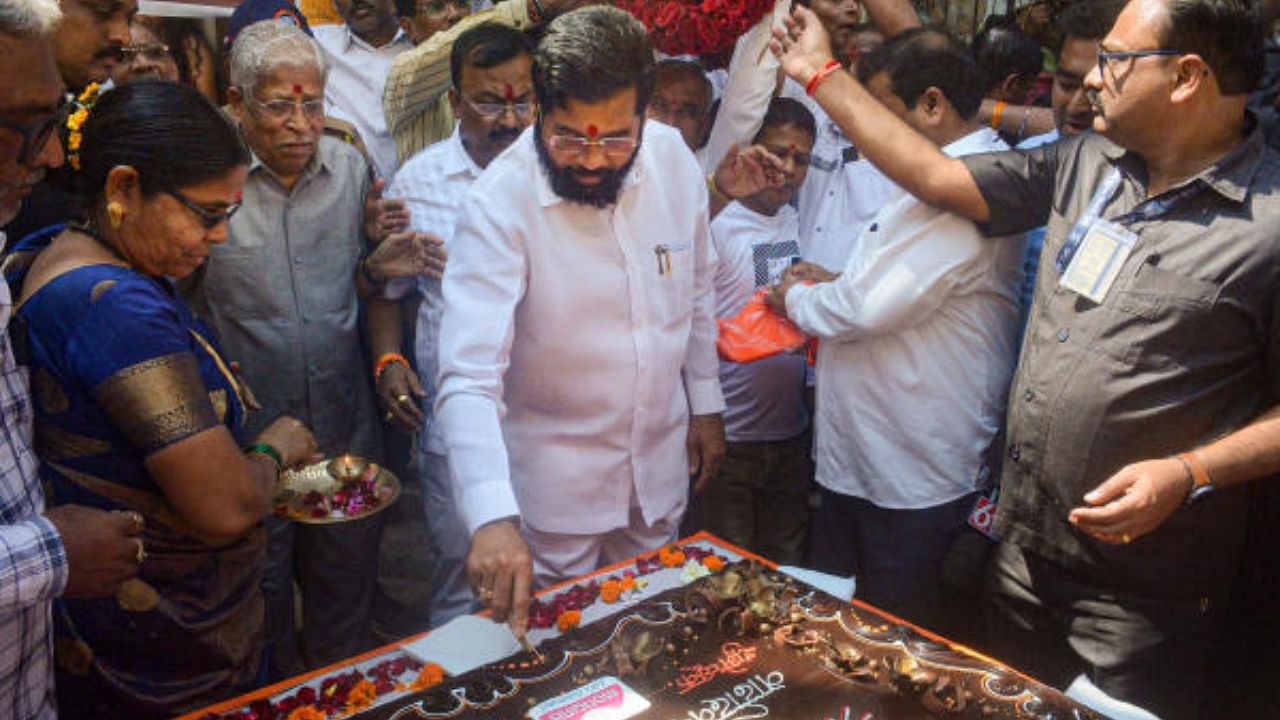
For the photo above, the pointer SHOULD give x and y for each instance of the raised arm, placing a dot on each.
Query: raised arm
(904, 155)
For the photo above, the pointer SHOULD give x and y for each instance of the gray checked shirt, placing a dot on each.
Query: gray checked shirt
(1183, 349)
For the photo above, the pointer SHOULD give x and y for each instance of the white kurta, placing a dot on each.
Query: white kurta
(916, 351)
(569, 365)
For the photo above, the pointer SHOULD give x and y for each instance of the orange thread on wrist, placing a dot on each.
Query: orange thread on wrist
(997, 114)
(386, 360)
(823, 73)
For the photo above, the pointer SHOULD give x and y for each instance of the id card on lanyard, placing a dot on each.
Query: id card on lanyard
(1095, 250)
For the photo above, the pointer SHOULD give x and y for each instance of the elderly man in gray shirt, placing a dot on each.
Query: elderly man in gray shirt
(282, 295)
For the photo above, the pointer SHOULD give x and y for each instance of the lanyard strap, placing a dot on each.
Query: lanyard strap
(1146, 210)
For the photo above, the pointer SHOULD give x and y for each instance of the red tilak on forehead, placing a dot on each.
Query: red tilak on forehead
(793, 147)
(592, 131)
(297, 89)
(510, 94)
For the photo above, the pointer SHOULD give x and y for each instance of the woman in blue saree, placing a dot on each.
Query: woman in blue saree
(136, 410)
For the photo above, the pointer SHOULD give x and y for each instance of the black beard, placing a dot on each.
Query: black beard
(563, 182)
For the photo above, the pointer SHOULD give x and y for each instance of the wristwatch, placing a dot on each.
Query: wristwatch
(1201, 482)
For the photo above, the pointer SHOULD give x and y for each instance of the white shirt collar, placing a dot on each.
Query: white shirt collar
(458, 161)
(984, 139)
(353, 39)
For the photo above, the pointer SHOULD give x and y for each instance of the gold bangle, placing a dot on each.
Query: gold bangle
(714, 191)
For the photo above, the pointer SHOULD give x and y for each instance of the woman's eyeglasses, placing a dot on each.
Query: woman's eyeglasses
(155, 52)
(208, 218)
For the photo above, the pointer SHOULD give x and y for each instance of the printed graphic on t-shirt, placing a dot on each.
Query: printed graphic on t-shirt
(770, 260)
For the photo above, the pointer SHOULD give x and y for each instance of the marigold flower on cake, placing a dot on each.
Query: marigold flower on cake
(568, 620)
(628, 583)
(713, 563)
(306, 712)
(671, 556)
(430, 676)
(361, 696)
(610, 590)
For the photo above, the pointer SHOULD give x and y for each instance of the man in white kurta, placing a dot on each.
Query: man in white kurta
(578, 337)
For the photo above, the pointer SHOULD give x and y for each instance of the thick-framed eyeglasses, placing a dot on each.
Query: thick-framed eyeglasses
(614, 148)
(1106, 56)
(210, 219)
(155, 52)
(283, 109)
(37, 134)
(440, 8)
(494, 110)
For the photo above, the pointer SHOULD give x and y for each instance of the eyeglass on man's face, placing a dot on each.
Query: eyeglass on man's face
(154, 52)
(493, 110)
(209, 217)
(1106, 56)
(283, 109)
(614, 148)
(35, 135)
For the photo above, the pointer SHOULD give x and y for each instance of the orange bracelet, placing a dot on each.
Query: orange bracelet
(1199, 473)
(385, 360)
(823, 73)
(997, 114)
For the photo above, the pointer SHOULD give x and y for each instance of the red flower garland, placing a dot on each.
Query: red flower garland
(696, 27)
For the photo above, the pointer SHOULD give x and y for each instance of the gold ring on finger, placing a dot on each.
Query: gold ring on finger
(1126, 538)
(402, 398)
(486, 595)
(389, 416)
(142, 551)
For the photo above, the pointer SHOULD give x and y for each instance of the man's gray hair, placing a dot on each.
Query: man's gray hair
(264, 46)
(27, 18)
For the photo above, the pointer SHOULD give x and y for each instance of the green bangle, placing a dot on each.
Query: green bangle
(264, 449)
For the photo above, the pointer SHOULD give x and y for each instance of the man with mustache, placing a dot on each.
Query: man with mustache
(578, 384)
(281, 293)
(492, 97)
(70, 550)
(416, 99)
(1147, 389)
(88, 43)
(360, 52)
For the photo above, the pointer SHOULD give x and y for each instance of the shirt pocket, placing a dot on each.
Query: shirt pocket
(1160, 317)
(240, 285)
(674, 285)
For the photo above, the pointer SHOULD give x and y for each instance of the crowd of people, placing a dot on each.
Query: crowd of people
(491, 247)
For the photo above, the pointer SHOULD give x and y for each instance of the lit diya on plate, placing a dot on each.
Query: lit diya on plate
(341, 489)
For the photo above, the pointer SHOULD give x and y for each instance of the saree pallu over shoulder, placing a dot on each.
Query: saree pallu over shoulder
(157, 402)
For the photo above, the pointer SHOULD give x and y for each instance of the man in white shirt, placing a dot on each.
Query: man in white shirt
(578, 384)
(360, 52)
(492, 98)
(915, 354)
(760, 498)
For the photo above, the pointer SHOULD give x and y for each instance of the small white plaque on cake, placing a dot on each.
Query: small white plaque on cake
(605, 698)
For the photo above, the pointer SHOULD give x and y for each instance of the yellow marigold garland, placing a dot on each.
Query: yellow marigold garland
(75, 121)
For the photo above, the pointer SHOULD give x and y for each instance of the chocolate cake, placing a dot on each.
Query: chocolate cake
(747, 642)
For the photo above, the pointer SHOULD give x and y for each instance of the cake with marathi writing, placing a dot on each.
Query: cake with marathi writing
(747, 642)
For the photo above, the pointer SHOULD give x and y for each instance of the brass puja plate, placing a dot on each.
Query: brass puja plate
(313, 495)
